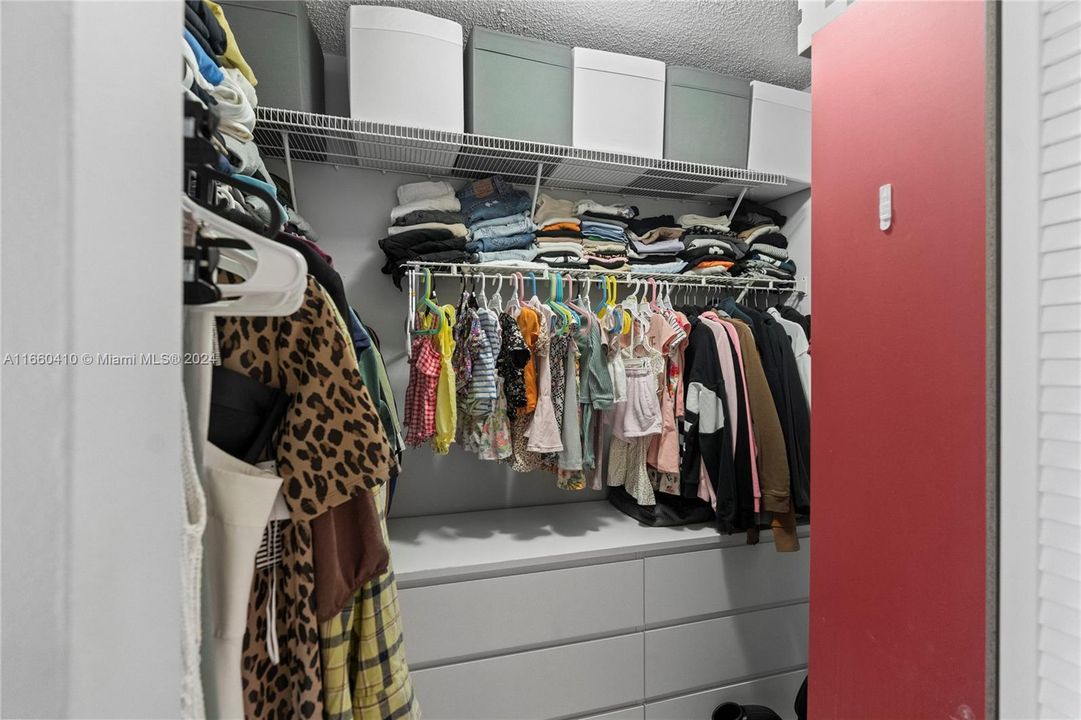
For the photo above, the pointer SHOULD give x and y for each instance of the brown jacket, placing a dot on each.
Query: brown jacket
(772, 459)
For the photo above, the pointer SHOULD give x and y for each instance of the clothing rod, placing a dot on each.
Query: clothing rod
(460, 271)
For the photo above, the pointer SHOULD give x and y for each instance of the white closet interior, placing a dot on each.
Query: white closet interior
(504, 578)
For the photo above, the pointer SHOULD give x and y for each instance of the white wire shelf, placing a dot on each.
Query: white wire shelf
(736, 282)
(300, 136)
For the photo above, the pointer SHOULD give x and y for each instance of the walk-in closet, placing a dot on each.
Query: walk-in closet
(489, 360)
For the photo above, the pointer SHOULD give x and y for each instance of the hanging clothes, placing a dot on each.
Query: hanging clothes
(800, 349)
(688, 410)
(331, 416)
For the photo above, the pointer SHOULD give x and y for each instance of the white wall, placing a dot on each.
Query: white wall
(91, 124)
(350, 209)
(797, 208)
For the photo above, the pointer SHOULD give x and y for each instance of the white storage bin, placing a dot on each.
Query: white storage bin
(780, 140)
(405, 68)
(618, 103)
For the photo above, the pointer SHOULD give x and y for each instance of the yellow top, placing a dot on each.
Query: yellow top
(446, 399)
(232, 56)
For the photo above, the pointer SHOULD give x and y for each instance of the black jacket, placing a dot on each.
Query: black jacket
(782, 375)
(707, 435)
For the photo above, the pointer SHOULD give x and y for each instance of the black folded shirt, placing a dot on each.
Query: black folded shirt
(640, 226)
(427, 244)
(775, 239)
(560, 233)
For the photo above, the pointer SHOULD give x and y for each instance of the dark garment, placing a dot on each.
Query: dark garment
(511, 361)
(782, 374)
(732, 242)
(348, 551)
(651, 259)
(198, 31)
(670, 510)
(707, 231)
(244, 414)
(560, 234)
(791, 313)
(786, 266)
(316, 247)
(774, 238)
(614, 220)
(431, 244)
(431, 216)
(735, 711)
(565, 263)
(613, 263)
(747, 267)
(707, 437)
(696, 255)
(640, 226)
(743, 461)
(199, 14)
(751, 214)
(208, 99)
(323, 273)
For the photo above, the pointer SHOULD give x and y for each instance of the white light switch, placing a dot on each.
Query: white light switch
(885, 206)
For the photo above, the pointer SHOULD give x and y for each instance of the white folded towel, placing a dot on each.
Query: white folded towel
(412, 192)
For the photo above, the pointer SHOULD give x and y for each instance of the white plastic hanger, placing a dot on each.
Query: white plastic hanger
(275, 275)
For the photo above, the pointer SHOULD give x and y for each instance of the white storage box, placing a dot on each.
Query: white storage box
(780, 139)
(618, 103)
(405, 68)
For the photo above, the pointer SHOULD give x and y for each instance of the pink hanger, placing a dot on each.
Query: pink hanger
(570, 297)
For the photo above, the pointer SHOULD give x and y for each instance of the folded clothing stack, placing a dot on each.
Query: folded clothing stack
(427, 206)
(511, 232)
(709, 260)
(498, 219)
(553, 215)
(435, 245)
(492, 198)
(604, 228)
(767, 257)
(750, 214)
(564, 254)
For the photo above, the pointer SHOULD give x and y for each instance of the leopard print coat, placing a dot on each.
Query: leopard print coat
(331, 448)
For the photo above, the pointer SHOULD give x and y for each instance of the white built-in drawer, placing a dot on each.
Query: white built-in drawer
(470, 619)
(708, 582)
(777, 692)
(566, 681)
(717, 652)
(634, 713)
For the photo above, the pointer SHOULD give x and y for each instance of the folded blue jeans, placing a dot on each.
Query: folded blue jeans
(516, 225)
(496, 244)
(492, 198)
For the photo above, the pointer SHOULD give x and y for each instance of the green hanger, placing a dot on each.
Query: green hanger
(427, 304)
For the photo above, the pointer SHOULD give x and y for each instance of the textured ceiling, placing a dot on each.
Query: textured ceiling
(750, 39)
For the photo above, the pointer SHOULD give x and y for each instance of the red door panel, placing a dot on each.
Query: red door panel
(899, 347)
